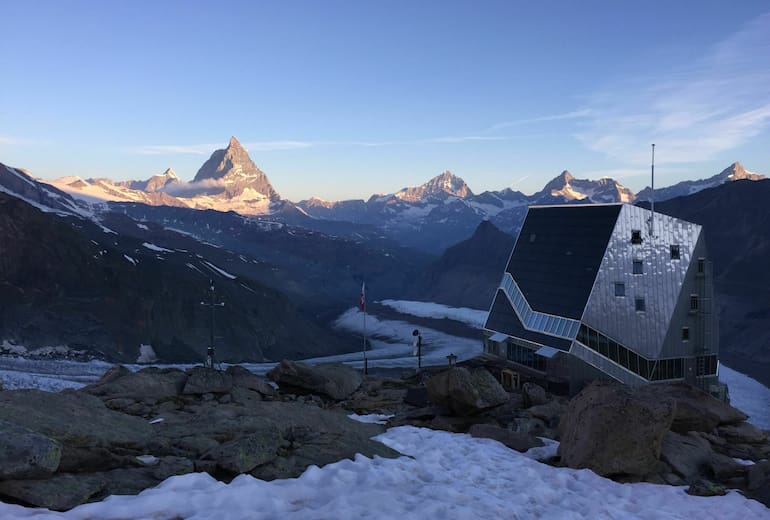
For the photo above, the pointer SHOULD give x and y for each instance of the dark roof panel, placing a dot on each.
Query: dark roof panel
(502, 318)
(558, 253)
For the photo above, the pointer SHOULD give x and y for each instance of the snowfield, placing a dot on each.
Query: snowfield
(442, 475)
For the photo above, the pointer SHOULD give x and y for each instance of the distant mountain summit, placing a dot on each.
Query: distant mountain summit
(734, 172)
(438, 187)
(235, 174)
(566, 188)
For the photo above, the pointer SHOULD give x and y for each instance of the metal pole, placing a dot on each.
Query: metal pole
(652, 197)
(366, 361)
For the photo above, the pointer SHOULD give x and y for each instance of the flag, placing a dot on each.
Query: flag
(362, 301)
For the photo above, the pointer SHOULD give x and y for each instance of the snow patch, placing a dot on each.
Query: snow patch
(473, 317)
(146, 354)
(372, 418)
(153, 247)
(129, 259)
(218, 270)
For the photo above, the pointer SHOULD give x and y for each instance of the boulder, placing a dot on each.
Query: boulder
(155, 384)
(516, 441)
(74, 419)
(705, 488)
(614, 430)
(243, 378)
(696, 410)
(204, 380)
(334, 380)
(466, 393)
(26, 454)
(688, 455)
(60, 492)
(534, 394)
(758, 482)
(246, 453)
(743, 433)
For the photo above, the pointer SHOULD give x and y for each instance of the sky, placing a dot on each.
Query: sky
(343, 99)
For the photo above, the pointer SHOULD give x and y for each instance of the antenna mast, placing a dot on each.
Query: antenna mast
(652, 196)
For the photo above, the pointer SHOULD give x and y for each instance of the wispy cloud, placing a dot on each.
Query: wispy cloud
(574, 114)
(693, 114)
(206, 149)
(6, 140)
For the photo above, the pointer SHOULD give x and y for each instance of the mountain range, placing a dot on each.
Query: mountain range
(429, 217)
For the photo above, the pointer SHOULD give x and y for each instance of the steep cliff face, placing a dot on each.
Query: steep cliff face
(230, 173)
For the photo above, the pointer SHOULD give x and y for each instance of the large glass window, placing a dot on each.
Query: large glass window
(675, 252)
(620, 289)
(639, 304)
(638, 267)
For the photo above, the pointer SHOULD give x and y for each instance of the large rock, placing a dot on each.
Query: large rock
(243, 454)
(759, 482)
(696, 410)
(534, 394)
(74, 419)
(26, 454)
(614, 430)
(60, 492)
(466, 393)
(243, 378)
(152, 383)
(743, 433)
(334, 380)
(688, 455)
(203, 380)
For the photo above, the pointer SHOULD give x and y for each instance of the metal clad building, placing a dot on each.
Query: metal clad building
(607, 291)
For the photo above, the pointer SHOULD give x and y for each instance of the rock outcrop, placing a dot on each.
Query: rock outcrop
(466, 393)
(613, 430)
(333, 380)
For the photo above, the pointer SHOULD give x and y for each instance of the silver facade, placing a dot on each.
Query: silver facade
(660, 284)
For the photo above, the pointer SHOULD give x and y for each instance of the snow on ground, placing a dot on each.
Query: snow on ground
(219, 270)
(153, 247)
(473, 317)
(443, 475)
(391, 343)
(373, 418)
(748, 395)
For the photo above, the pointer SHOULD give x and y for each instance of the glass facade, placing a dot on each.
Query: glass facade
(650, 369)
(537, 321)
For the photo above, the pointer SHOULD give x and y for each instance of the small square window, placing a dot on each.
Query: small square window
(636, 236)
(675, 253)
(638, 267)
(693, 302)
(639, 305)
(685, 333)
(620, 289)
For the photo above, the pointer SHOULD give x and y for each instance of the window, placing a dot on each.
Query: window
(675, 253)
(639, 305)
(685, 333)
(532, 238)
(620, 289)
(636, 236)
(701, 265)
(638, 267)
(693, 302)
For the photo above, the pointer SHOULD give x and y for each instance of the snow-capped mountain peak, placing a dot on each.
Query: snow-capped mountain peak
(235, 174)
(440, 186)
(567, 188)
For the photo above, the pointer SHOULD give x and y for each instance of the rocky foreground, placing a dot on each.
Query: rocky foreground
(130, 431)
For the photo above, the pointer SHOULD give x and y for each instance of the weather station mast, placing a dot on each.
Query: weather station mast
(212, 305)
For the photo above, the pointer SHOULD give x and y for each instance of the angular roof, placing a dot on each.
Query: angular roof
(558, 254)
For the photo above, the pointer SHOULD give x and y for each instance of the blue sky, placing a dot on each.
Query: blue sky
(342, 99)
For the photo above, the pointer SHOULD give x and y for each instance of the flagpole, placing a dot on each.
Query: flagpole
(362, 305)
